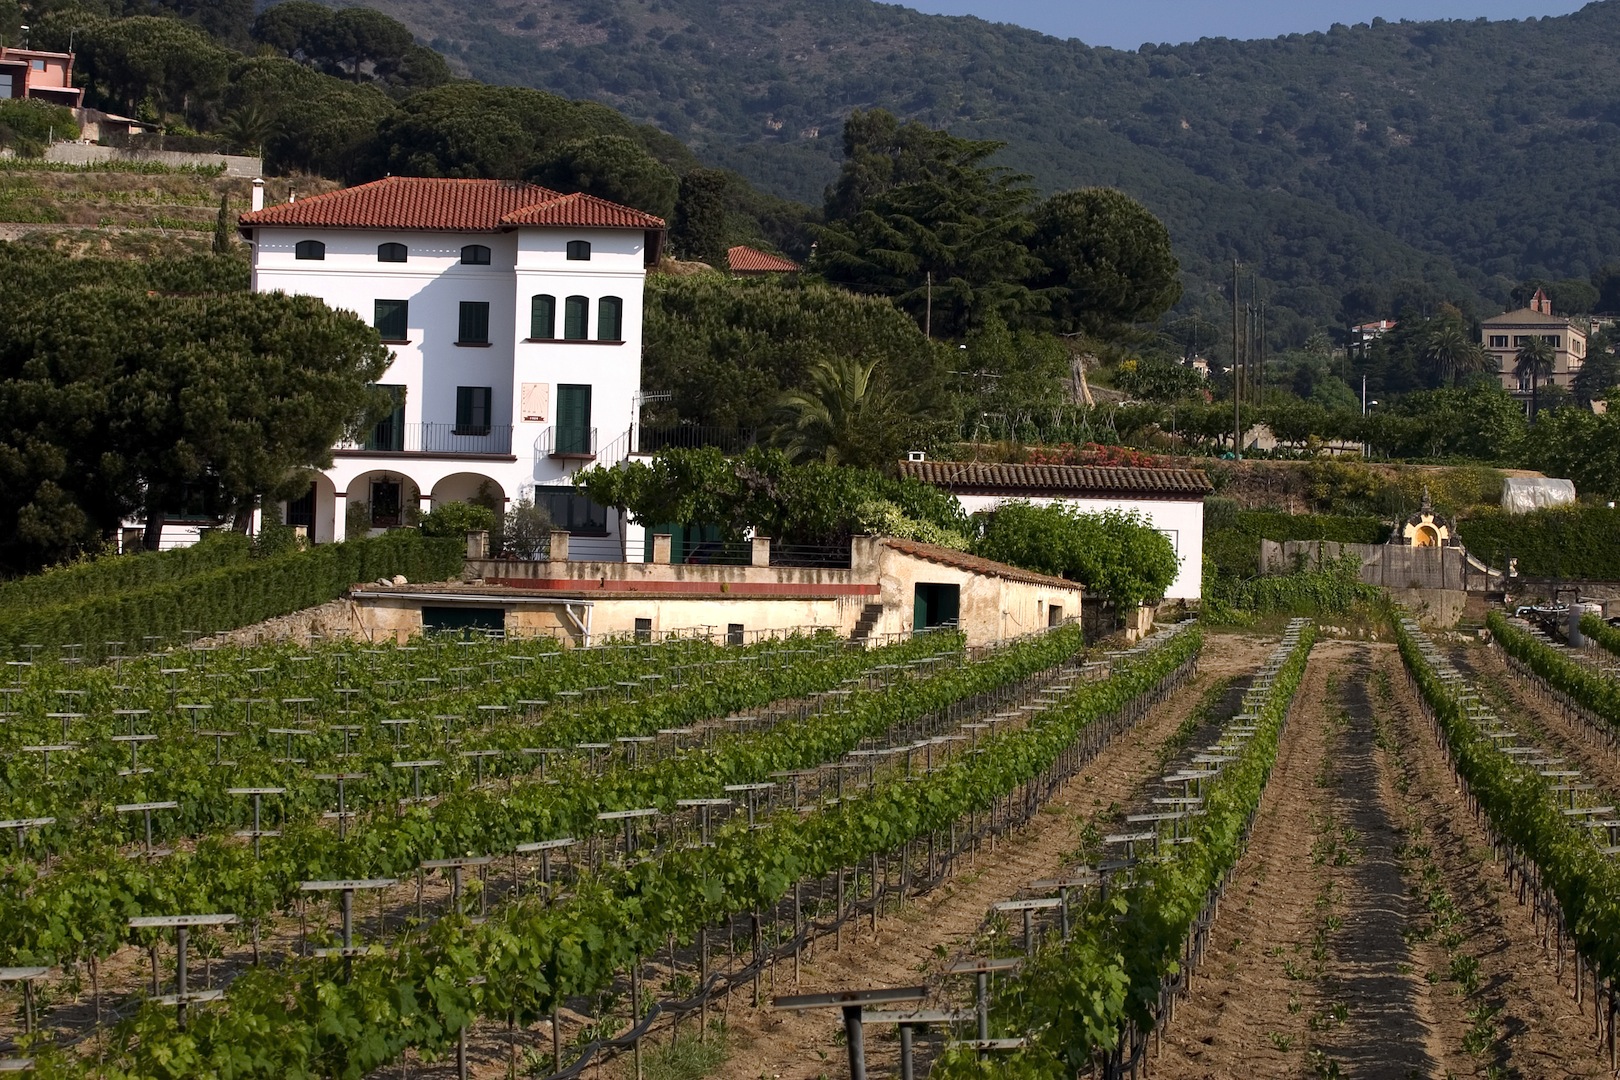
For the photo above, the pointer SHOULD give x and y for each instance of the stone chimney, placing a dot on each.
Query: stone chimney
(258, 194)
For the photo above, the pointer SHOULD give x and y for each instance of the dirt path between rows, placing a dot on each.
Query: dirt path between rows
(910, 947)
(1367, 932)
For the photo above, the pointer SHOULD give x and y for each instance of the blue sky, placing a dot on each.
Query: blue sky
(1126, 25)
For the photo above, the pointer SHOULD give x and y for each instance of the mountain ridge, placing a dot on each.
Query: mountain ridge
(1432, 160)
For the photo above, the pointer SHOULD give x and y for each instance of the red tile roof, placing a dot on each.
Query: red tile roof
(961, 560)
(1119, 480)
(747, 260)
(408, 202)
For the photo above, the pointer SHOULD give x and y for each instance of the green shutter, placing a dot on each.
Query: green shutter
(609, 319)
(573, 419)
(576, 309)
(464, 408)
(543, 318)
(392, 319)
(474, 323)
(389, 433)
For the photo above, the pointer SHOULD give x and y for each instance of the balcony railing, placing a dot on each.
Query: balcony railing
(560, 442)
(650, 440)
(389, 438)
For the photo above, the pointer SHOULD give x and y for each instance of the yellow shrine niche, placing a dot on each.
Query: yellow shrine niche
(1424, 529)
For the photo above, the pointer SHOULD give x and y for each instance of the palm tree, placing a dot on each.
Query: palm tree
(1451, 350)
(838, 416)
(1535, 359)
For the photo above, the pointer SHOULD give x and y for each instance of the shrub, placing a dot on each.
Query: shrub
(528, 531)
(457, 519)
(27, 126)
(1571, 542)
(1114, 554)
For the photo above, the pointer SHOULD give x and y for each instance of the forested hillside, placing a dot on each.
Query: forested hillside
(1422, 159)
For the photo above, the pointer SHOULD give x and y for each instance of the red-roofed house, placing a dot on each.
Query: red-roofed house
(43, 76)
(745, 261)
(514, 313)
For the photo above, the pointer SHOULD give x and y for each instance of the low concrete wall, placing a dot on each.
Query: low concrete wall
(66, 153)
(1389, 566)
(1441, 609)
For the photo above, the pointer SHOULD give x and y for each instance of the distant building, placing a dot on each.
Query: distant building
(1170, 500)
(1505, 334)
(43, 76)
(1366, 332)
(745, 261)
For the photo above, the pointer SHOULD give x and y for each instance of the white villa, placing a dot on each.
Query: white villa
(514, 314)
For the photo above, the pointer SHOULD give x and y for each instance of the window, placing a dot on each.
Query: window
(573, 420)
(1553, 339)
(734, 633)
(392, 253)
(472, 410)
(474, 323)
(1520, 340)
(609, 319)
(572, 511)
(389, 432)
(543, 318)
(576, 310)
(392, 319)
(475, 255)
(385, 512)
(5, 87)
(579, 251)
(37, 65)
(308, 249)
(1499, 341)
(643, 630)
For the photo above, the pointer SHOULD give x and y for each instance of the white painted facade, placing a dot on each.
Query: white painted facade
(516, 450)
(1182, 521)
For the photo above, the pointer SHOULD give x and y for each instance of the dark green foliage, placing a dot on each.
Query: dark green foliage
(238, 592)
(698, 232)
(920, 217)
(457, 519)
(109, 574)
(612, 167)
(1107, 261)
(1478, 422)
(728, 349)
(304, 120)
(1116, 555)
(1581, 543)
(224, 229)
(1232, 537)
(813, 504)
(117, 397)
(28, 125)
(1331, 588)
(1366, 155)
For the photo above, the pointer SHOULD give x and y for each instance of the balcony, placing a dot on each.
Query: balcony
(650, 440)
(450, 440)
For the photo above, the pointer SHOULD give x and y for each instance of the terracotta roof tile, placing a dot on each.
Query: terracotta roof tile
(408, 202)
(1059, 479)
(961, 560)
(744, 259)
(580, 210)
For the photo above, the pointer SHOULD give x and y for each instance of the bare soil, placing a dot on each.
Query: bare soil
(1328, 956)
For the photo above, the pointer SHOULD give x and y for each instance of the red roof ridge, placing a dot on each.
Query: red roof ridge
(450, 204)
(1116, 479)
(744, 258)
(948, 556)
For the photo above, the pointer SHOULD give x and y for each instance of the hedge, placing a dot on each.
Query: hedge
(1232, 536)
(124, 573)
(231, 596)
(1574, 542)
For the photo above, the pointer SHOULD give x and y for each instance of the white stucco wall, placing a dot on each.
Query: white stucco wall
(1182, 521)
(431, 364)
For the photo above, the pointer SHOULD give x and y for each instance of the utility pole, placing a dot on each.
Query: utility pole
(1237, 372)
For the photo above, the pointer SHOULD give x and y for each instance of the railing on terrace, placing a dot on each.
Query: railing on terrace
(433, 439)
(650, 440)
(825, 556)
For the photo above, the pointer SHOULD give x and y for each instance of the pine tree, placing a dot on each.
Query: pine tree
(222, 227)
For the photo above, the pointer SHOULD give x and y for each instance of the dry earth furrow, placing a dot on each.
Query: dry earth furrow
(907, 947)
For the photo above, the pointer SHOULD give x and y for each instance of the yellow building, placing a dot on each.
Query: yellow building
(1505, 334)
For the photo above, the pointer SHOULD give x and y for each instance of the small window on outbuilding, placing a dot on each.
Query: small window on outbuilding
(579, 251)
(311, 250)
(393, 253)
(734, 633)
(643, 629)
(475, 255)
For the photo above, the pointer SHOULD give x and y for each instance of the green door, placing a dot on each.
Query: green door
(935, 605)
(573, 419)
